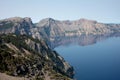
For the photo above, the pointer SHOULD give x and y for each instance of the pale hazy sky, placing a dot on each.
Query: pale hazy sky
(107, 11)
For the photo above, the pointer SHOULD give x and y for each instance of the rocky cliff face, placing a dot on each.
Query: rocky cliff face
(55, 28)
(30, 58)
(51, 29)
(16, 25)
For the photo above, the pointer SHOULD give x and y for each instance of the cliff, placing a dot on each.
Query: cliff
(23, 56)
(55, 28)
(50, 29)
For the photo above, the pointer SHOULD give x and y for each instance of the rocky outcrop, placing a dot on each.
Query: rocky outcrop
(54, 28)
(16, 25)
(50, 29)
(23, 56)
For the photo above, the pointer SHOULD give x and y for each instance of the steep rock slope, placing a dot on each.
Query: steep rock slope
(55, 28)
(50, 29)
(23, 56)
(16, 25)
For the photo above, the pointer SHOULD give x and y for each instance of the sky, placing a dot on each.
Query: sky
(106, 11)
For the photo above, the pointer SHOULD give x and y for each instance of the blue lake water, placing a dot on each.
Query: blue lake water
(98, 61)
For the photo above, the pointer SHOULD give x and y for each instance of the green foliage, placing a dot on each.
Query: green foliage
(6, 25)
(10, 63)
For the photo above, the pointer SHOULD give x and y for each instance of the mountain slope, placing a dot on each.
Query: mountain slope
(50, 29)
(16, 25)
(23, 56)
(55, 28)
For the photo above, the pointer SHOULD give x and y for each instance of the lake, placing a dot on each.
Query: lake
(93, 58)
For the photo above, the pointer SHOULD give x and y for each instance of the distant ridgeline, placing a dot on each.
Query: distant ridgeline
(50, 29)
(24, 51)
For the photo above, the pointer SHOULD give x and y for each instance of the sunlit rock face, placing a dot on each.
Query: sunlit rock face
(55, 28)
(16, 25)
(51, 29)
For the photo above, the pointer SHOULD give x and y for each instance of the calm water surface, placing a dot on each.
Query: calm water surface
(99, 61)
